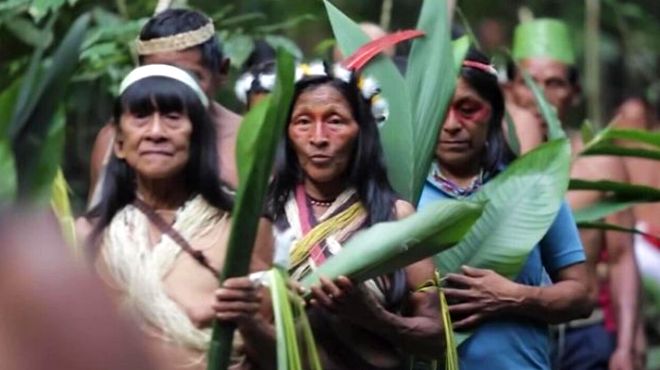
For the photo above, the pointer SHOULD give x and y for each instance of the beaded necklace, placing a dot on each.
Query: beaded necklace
(451, 188)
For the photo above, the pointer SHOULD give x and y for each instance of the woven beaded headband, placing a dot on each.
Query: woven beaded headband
(180, 41)
(163, 70)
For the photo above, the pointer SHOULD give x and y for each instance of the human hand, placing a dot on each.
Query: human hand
(478, 294)
(238, 300)
(344, 298)
(621, 359)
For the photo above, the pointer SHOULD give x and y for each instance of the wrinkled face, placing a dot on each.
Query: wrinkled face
(463, 135)
(552, 78)
(191, 61)
(156, 146)
(323, 132)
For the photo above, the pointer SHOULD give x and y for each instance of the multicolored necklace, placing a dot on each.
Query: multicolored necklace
(451, 188)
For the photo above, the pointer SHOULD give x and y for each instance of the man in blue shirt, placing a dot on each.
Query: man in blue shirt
(509, 319)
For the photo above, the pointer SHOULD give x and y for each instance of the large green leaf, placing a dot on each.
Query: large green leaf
(522, 202)
(430, 86)
(396, 134)
(35, 138)
(388, 246)
(605, 143)
(260, 131)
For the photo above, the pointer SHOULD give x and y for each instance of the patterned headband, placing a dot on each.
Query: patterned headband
(177, 42)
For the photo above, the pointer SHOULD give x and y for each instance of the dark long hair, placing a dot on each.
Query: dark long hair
(367, 168)
(497, 153)
(163, 95)
(175, 21)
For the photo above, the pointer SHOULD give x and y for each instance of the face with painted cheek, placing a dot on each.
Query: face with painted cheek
(156, 146)
(462, 139)
(552, 78)
(323, 133)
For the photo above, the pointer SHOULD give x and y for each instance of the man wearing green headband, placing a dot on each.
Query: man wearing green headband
(543, 49)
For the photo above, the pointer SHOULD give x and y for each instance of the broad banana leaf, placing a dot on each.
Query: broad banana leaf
(260, 131)
(33, 122)
(396, 133)
(388, 246)
(604, 143)
(430, 84)
(522, 201)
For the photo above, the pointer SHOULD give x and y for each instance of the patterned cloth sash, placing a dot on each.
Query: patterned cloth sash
(316, 241)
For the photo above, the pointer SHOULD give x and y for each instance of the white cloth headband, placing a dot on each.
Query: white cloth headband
(163, 70)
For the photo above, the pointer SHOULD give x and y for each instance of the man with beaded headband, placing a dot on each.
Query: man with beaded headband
(184, 38)
(544, 49)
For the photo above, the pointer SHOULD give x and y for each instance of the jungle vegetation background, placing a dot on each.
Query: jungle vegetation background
(623, 40)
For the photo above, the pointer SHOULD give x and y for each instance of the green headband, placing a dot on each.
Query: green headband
(543, 38)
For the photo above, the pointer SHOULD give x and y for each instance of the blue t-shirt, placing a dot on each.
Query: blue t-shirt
(518, 342)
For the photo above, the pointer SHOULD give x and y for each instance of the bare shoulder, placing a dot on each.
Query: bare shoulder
(227, 121)
(403, 209)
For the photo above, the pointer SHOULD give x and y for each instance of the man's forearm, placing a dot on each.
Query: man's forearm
(420, 335)
(554, 304)
(624, 285)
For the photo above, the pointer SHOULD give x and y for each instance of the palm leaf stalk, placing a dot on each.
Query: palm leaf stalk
(258, 136)
(604, 143)
(388, 246)
(288, 308)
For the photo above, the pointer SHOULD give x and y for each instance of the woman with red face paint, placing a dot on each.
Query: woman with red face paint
(509, 318)
(331, 177)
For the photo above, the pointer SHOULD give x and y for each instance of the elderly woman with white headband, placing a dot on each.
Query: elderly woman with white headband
(159, 235)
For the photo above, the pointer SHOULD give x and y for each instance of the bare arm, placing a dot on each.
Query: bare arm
(624, 285)
(100, 150)
(484, 294)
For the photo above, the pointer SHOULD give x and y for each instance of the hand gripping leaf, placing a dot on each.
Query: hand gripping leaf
(260, 131)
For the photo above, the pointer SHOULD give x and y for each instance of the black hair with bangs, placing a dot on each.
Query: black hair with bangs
(366, 171)
(164, 95)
